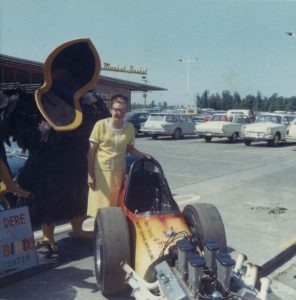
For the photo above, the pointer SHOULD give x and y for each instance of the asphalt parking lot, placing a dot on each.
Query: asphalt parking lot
(254, 190)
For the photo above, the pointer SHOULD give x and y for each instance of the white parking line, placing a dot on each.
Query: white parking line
(283, 291)
(288, 243)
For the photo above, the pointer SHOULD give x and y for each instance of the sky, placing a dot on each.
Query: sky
(239, 45)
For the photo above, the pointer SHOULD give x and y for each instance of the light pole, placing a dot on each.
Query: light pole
(291, 33)
(145, 92)
(188, 61)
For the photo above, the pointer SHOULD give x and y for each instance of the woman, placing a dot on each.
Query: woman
(110, 140)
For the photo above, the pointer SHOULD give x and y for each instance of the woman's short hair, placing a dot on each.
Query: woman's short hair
(118, 99)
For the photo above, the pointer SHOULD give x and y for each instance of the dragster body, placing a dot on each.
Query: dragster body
(165, 253)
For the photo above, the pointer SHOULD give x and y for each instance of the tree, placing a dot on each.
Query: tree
(258, 102)
(291, 104)
(152, 104)
(227, 100)
(213, 102)
(249, 102)
(197, 100)
(273, 103)
(205, 96)
(202, 101)
(236, 100)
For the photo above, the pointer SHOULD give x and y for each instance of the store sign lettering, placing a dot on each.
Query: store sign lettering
(16, 247)
(17, 244)
(14, 221)
(130, 69)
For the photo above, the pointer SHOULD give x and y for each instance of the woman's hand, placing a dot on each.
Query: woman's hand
(145, 155)
(91, 179)
(135, 152)
(91, 182)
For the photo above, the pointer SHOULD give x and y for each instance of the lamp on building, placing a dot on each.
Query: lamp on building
(188, 61)
(291, 33)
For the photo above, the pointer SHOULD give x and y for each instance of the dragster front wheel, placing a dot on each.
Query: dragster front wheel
(111, 247)
(204, 220)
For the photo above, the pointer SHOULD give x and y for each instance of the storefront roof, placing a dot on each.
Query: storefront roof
(10, 62)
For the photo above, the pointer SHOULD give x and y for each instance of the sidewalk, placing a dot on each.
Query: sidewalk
(73, 267)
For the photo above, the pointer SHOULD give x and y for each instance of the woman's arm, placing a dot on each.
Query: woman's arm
(137, 153)
(8, 185)
(91, 179)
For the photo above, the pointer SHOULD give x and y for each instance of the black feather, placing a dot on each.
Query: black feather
(56, 170)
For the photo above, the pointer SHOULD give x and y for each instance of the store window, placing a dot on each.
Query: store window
(22, 77)
(7, 75)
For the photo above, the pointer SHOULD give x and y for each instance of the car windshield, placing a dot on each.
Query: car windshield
(269, 119)
(130, 115)
(156, 117)
(221, 118)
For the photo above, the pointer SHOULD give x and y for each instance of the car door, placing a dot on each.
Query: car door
(286, 122)
(183, 124)
(171, 124)
(237, 123)
(190, 125)
(142, 119)
(292, 129)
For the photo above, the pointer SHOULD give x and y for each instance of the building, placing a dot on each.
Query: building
(28, 74)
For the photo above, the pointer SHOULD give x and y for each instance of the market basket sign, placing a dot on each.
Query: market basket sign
(17, 244)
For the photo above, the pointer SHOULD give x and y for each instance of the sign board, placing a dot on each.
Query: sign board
(130, 69)
(17, 244)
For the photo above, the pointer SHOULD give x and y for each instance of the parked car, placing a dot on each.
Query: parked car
(291, 132)
(222, 126)
(269, 127)
(201, 117)
(137, 119)
(16, 159)
(246, 112)
(168, 124)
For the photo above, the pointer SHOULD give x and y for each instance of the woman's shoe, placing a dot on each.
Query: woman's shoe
(41, 244)
(52, 247)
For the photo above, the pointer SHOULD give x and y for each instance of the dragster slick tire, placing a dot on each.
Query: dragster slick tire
(205, 220)
(111, 248)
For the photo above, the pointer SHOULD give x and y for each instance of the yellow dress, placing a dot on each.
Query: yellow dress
(109, 163)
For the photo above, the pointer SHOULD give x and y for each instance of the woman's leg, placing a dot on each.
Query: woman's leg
(48, 232)
(104, 195)
(48, 237)
(77, 231)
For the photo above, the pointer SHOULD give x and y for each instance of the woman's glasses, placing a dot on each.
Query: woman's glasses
(119, 110)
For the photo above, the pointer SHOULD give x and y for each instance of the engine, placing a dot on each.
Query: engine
(188, 273)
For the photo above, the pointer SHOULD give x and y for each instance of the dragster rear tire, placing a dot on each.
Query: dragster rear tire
(205, 220)
(111, 247)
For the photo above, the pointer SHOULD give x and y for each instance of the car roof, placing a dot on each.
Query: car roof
(137, 112)
(167, 114)
(274, 114)
(239, 110)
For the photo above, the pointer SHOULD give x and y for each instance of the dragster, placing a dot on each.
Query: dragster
(161, 252)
